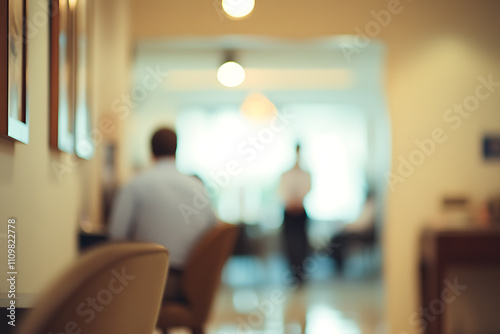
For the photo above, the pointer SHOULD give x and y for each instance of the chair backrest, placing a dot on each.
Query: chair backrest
(203, 269)
(115, 288)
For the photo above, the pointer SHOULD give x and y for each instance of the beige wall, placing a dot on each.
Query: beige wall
(424, 82)
(48, 209)
(112, 57)
(436, 51)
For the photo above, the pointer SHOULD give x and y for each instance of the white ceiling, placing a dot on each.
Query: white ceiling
(285, 70)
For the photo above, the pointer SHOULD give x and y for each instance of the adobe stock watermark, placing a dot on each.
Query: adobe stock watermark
(122, 106)
(364, 35)
(89, 309)
(277, 297)
(453, 117)
(426, 315)
(248, 150)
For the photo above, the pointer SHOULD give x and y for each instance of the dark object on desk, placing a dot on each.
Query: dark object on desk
(86, 240)
(494, 210)
(441, 250)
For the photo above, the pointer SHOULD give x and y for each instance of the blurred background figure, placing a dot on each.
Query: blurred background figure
(294, 186)
(362, 231)
(163, 206)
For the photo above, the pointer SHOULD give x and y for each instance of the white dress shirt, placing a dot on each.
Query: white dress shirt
(294, 186)
(163, 206)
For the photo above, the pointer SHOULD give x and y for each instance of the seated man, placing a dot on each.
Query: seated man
(163, 206)
(361, 231)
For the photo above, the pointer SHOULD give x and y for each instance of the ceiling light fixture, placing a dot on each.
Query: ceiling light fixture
(230, 74)
(238, 8)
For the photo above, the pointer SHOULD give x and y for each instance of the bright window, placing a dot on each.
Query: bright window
(334, 147)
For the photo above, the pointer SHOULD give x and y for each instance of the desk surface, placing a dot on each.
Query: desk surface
(442, 249)
(461, 246)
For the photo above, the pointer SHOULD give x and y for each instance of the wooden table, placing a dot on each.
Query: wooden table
(441, 249)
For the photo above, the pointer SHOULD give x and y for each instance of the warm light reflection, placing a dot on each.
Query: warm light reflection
(86, 226)
(245, 300)
(231, 74)
(322, 319)
(238, 8)
(72, 3)
(258, 107)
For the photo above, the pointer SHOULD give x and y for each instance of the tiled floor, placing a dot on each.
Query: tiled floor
(337, 306)
(249, 305)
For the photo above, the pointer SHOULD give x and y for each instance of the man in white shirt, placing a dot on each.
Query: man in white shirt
(150, 209)
(294, 186)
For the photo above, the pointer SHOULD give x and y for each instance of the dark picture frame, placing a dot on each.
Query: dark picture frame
(70, 116)
(62, 78)
(14, 111)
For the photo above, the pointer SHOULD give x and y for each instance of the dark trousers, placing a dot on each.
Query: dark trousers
(295, 240)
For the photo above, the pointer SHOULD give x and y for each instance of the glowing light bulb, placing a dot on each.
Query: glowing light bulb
(238, 8)
(231, 74)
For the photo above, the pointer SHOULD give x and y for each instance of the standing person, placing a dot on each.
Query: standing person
(163, 206)
(294, 186)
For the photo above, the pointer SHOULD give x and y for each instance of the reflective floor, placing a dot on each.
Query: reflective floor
(337, 306)
(254, 300)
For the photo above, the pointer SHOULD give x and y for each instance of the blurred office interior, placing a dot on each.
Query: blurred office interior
(369, 91)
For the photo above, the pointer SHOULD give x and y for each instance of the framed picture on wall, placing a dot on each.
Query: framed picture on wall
(84, 146)
(62, 78)
(14, 116)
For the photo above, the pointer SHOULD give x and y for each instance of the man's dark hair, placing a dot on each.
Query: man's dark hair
(164, 143)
